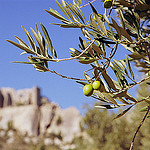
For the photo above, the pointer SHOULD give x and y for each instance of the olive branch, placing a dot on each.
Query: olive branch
(102, 36)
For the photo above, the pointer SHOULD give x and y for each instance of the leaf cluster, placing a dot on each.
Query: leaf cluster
(102, 35)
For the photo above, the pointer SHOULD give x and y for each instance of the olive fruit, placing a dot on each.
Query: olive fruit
(88, 90)
(149, 73)
(107, 3)
(96, 85)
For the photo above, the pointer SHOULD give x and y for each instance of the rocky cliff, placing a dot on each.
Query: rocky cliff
(30, 114)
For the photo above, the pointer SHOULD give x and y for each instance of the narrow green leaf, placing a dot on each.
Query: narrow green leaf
(116, 73)
(86, 33)
(87, 77)
(39, 42)
(110, 98)
(120, 30)
(81, 12)
(122, 113)
(108, 80)
(119, 65)
(86, 61)
(93, 9)
(115, 25)
(124, 65)
(68, 11)
(39, 67)
(56, 15)
(129, 97)
(106, 106)
(101, 24)
(89, 49)
(120, 94)
(30, 39)
(23, 62)
(73, 11)
(122, 100)
(70, 26)
(93, 23)
(81, 82)
(100, 96)
(22, 42)
(28, 50)
(129, 66)
(80, 1)
(97, 49)
(62, 9)
(78, 13)
(144, 109)
(48, 41)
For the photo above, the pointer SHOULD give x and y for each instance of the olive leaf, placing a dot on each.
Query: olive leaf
(28, 50)
(48, 41)
(39, 66)
(129, 66)
(56, 15)
(30, 39)
(108, 80)
(144, 109)
(106, 106)
(124, 112)
(120, 30)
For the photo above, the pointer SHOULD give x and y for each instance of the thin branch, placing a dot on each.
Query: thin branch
(148, 53)
(112, 53)
(87, 4)
(143, 99)
(63, 76)
(137, 83)
(76, 57)
(104, 69)
(131, 146)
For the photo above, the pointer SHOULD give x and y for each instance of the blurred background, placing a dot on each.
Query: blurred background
(17, 13)
(63, 93)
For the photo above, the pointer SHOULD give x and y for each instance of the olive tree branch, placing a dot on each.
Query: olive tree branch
(63, 76)
(131, 146)
(128, 87)
(76, 57)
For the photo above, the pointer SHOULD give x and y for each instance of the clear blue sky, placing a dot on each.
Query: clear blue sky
(13, 14)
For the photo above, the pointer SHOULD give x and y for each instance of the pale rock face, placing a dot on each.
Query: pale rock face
(10, 140)
(69, 126)
(37, 116)
(47, 115)
(12, 97)
(48, 141)
(24, 118)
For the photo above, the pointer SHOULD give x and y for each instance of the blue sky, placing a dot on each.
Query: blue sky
(17, 13)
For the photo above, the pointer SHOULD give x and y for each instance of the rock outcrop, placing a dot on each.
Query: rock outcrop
(31, 114)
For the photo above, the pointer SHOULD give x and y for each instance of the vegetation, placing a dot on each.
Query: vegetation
(106, 133)
(103, 35)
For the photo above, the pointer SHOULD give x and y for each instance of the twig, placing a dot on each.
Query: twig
(63, 76)
(76, 57)
(143, 99)
(112, 53)
(131, 146)
(87, 4)
(136, 83)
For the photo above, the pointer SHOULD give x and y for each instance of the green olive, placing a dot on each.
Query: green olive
(88, 90)
(148, 73)
(96, 85)
(107, 3)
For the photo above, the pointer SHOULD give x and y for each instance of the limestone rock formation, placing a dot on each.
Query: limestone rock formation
(31, 114)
